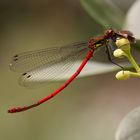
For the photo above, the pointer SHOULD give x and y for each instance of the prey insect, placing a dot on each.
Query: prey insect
(37, 63)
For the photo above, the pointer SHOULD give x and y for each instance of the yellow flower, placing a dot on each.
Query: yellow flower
(123, 75)
(123, 44)
(119, 53)
(124, 47)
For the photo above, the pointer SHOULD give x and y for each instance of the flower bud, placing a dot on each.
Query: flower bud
(123, 44)
(119, 53)
(123, 75)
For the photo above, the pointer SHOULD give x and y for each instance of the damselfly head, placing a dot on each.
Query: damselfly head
(110, 32)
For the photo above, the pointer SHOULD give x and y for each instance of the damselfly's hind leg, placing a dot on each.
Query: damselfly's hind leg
(109, 55)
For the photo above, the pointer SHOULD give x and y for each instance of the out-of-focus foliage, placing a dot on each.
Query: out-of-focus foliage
(104, 13)
(91, 107)
(129, 128)
(132, 22)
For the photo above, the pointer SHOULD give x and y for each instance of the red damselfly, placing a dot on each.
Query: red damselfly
(35, 63)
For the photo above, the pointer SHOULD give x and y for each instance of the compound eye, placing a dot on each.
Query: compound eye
(109, 32)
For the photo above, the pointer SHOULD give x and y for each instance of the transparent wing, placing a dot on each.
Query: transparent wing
(48, 65)
(46, 75)
(33, 59)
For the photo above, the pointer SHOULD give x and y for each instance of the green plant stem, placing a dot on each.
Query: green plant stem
(133, 62)
(135, 74)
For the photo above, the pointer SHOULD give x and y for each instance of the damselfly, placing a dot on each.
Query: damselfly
(37, 63)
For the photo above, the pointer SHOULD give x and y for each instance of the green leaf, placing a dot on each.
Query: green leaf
(129, 128)
(132, 22)
(105, 13)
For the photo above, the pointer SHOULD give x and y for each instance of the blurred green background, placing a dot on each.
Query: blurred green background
(91, 107)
